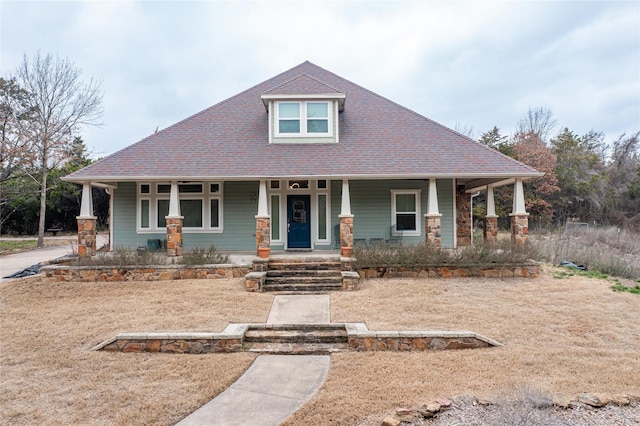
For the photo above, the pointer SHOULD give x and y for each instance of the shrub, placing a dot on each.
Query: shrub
(123, 256)
(200, 256)
(381, 255)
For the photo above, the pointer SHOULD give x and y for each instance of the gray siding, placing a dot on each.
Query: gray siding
(446, 208)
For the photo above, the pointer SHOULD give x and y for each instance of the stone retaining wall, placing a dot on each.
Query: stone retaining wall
(531, 270)
(135, 273)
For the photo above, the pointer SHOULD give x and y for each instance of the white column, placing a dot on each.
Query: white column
(174, 201)
(432, 203)
(263, 209)
(86, 205)
(346, 199)
(518, 199)
(491, 204)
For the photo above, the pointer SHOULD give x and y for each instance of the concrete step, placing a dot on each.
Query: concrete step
(296, 348)
(304, 279)
(304, 266)
(303, 273)
(295, 335)
(302, 288)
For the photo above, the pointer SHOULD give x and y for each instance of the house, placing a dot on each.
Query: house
(306, 160)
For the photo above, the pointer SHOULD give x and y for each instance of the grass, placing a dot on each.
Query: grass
(8, 247)
(607, 250)
(561, 336)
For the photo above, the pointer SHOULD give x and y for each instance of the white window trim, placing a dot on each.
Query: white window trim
(205, 196)
(303, 119)
(416, 193)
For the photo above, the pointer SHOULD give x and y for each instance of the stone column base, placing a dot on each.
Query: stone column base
(86, 236)
(346, 235)
(432, 229)
(263, 236)
(490, 230)
(519, 229)
(174, 235)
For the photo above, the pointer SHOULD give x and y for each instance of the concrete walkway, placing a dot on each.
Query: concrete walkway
(12, 263)
(275, 386)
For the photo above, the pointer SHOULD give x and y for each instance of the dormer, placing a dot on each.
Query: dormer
(303, 110)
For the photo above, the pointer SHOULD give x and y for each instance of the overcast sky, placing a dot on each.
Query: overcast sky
(464, 64)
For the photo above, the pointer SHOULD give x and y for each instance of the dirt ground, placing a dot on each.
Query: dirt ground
(563, 336)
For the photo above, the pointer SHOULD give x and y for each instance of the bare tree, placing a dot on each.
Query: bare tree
(465, 129)
(61, 105)
(539, 121)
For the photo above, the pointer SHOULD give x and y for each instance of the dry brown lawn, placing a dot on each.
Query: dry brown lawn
(49, 375)
(561, 336)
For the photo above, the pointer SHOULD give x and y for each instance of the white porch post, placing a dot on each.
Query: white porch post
(263, 223)
(433, 233)
(518, 199)
(490, 228)
(86, 224)
(174, 223)
(432, 207)
(346, 222)
(262, 199)
(86, 205)
(174, 202)
(345, 208)
(519, 215)
(491, 204)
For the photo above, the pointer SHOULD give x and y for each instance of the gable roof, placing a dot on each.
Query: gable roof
(378, 139)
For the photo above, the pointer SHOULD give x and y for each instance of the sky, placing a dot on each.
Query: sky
(469, 65)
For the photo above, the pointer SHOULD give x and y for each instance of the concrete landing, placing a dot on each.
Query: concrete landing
(273, 388)
(300, 309)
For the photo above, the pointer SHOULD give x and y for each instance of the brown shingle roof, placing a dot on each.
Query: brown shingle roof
(378, 138)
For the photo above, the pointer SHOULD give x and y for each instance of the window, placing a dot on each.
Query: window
(200, 206)
(303, 119)
(317, 117)
(322, 216)
(191, 210)
(405, 212)
(275, 217)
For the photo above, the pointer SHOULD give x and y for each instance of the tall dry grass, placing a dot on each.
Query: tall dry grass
(607, 250)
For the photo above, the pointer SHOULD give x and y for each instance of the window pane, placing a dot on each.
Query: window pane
(322, 217)
(289, 126)
(275, 184)
(289, 110)
(144, 213)
(215, 214)
(214, 188)
(317, 110)
(192, 212)
(190, 188)
(322, 184)
(164, 189)
(275, 217)
(405, 203)
(317, 126)
(163, 210)
(144, 189)
(406, 222)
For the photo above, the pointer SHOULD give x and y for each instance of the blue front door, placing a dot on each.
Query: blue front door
(299, 221)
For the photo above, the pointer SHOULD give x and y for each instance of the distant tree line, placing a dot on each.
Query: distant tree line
(586, 178)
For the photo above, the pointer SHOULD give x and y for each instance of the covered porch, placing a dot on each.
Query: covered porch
(293, 215)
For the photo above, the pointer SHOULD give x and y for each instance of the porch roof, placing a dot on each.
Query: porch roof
(377, 139)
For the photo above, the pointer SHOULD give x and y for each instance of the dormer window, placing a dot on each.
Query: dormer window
(303, 118)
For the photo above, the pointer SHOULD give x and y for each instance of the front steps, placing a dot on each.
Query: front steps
(302, 274)
(299, 339)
